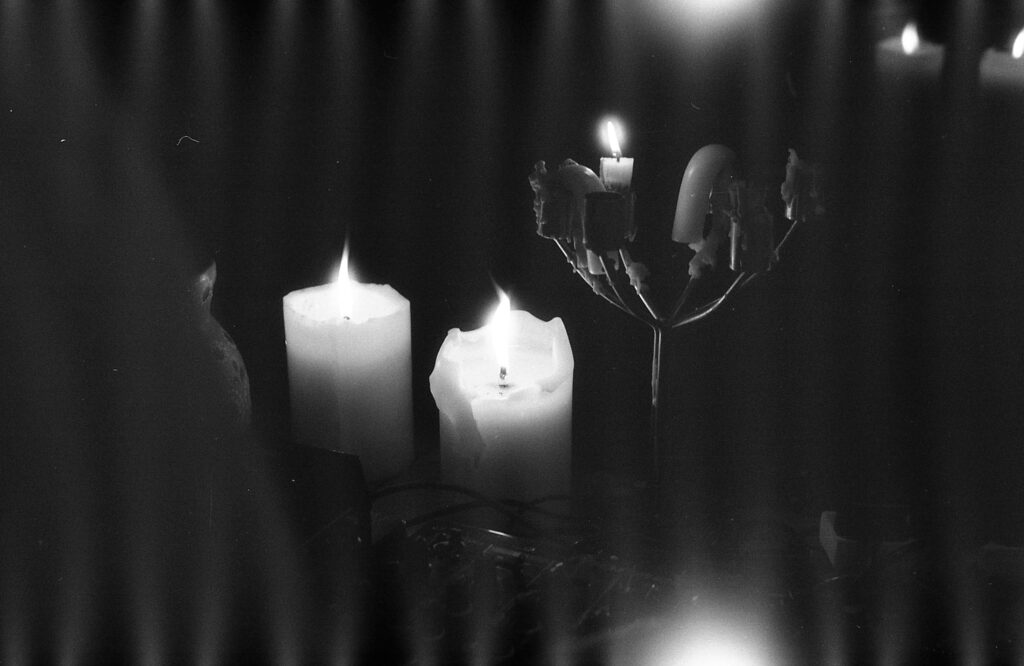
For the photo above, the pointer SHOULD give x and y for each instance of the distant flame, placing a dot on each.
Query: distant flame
(910, 39)
(1018, 46)
(612, 133)
(501, 331)
(344, 286)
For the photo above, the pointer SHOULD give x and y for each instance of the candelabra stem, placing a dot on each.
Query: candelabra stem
(655, 401)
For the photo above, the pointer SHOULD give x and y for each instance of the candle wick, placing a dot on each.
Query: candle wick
(502, 374)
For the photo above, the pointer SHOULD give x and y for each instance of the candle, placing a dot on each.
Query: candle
(504, 393)
(910, 56)
(349, 371)
(616, 171)
(1004, 70)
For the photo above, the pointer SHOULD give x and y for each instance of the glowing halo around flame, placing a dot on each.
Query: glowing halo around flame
(611, 135)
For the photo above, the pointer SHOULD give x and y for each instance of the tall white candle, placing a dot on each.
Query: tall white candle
(506, 407)
(350, 372)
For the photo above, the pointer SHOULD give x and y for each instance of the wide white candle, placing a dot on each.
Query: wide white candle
(350, 372)
(504, 393)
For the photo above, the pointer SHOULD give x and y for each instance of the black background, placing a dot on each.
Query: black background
(879, 362)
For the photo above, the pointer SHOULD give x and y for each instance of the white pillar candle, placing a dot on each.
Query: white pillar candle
(350, 372)
(506, 433)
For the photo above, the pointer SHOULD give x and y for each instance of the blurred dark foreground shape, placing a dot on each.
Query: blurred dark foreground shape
(138, 522)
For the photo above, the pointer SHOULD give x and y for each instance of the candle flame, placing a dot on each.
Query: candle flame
(910, 39)
(1018, 46)
(344, 286)
(501, 329)
(612, 134)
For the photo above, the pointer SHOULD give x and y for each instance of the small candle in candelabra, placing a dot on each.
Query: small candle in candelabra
(350, 371)
(504, 393)
(616, 173)
(909, 56)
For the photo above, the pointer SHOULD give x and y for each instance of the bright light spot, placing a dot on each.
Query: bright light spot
(1018, 46)
(612, 135)
(910, 39)
(708, 18)
(719, 639)
(344, 286)
(714, 655)
(717, 9)
(501, 330)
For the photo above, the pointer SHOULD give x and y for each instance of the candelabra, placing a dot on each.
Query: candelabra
(590, 219)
